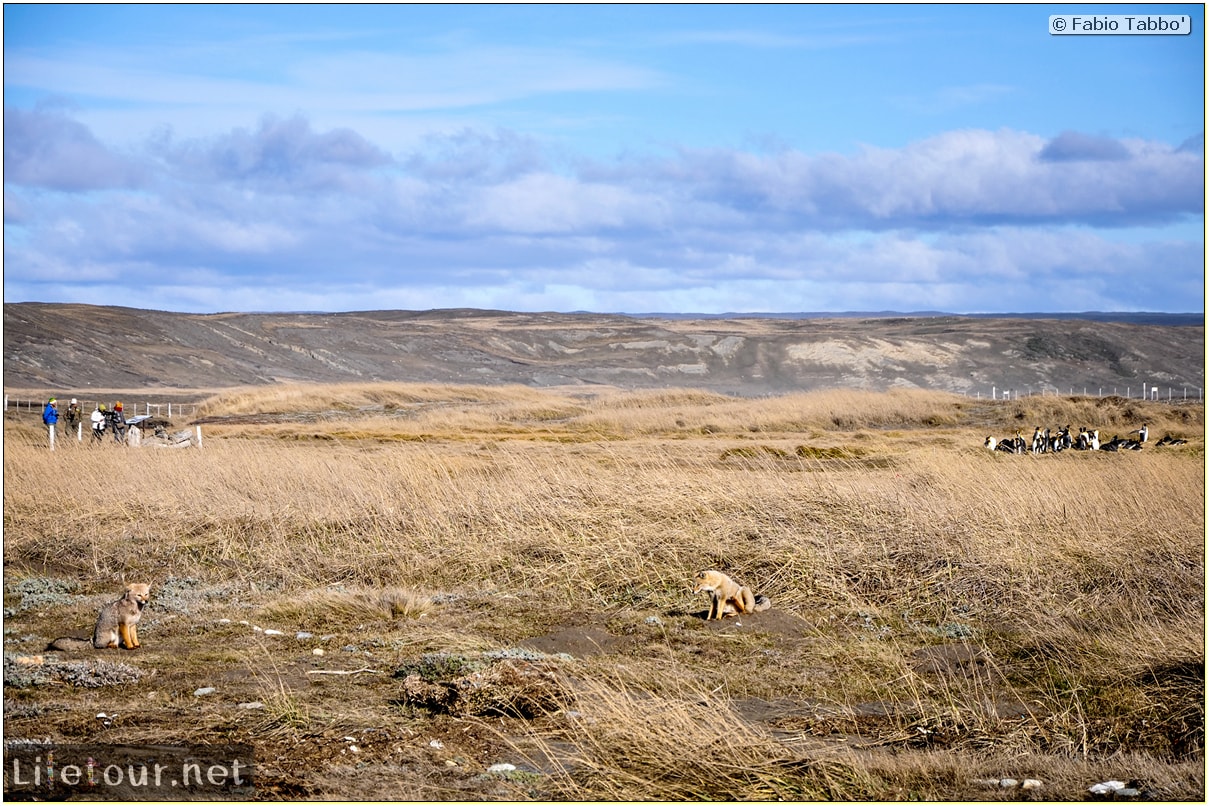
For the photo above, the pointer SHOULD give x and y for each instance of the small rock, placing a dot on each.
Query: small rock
(1008, 783)
(201, 692)
(273, 632)
(251, 706)
(303, 635)
(501, 768)
(653, 620)
(1106, 788)
(316, 651)
(1030, 783)
(352, 748)
(436, 743)
(1128, 792)
(224, 621)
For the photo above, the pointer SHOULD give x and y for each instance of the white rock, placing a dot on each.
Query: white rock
(273, 632)
(1008, 783)
(224, 621)
(1106, 788)
(501, 768)
(1030, 783)
(316, 651)
(204, 690)
(436, 743)
(303, 635)
(251, 706)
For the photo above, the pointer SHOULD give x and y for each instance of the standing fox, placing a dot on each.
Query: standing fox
(727, 597)
(117, 625)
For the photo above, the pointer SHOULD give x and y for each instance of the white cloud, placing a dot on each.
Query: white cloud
(972, 176)
(300, 217)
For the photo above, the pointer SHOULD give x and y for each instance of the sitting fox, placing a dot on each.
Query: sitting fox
(117, 625)
(727, 597)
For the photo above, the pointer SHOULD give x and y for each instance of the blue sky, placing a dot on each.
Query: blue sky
(629, 158)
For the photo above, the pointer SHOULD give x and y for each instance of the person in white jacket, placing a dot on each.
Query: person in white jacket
(98, 423)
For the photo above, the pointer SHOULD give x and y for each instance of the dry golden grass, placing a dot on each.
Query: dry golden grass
(876, 522)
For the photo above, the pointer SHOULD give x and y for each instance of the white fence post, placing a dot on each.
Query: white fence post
(52, 436)
(80, 431)
(199, 436)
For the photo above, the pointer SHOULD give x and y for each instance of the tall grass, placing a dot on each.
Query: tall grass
(1080, 576)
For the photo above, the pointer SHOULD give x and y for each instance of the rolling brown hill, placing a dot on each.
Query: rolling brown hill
(66, 346)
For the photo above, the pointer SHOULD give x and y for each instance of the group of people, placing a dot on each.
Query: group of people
(102, 419)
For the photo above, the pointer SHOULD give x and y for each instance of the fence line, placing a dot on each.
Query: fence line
(129, 409)
(997, 393)
(1144, 392)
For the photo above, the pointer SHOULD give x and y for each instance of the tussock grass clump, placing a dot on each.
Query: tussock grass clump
(343, 607)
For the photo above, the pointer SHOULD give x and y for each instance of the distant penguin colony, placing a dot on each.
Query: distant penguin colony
(1088, 439)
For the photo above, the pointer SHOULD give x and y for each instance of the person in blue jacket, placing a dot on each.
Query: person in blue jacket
(50, 414)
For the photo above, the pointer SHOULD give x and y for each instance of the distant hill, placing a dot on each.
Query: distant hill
(61, 347)
(1126, 317)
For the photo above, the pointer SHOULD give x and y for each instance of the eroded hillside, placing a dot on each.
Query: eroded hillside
(73, 346)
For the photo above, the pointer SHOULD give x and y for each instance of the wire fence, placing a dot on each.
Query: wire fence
(131, 409)
(1141, 392)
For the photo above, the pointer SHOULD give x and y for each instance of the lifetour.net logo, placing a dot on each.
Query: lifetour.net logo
(37, 771)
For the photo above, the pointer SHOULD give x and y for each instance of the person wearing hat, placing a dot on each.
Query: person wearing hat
(50, 416)
(118, 420)
(73, 414)
(99, 418)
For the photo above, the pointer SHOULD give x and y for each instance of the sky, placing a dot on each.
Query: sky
(611, 158)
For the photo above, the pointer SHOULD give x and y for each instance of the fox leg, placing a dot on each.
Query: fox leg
(745, 601)
(715, 606)
(133, 631)
(124, 635)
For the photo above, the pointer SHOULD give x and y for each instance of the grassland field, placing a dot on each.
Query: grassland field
(470, 576)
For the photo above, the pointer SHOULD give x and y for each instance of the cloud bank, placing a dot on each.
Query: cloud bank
(282, 216)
